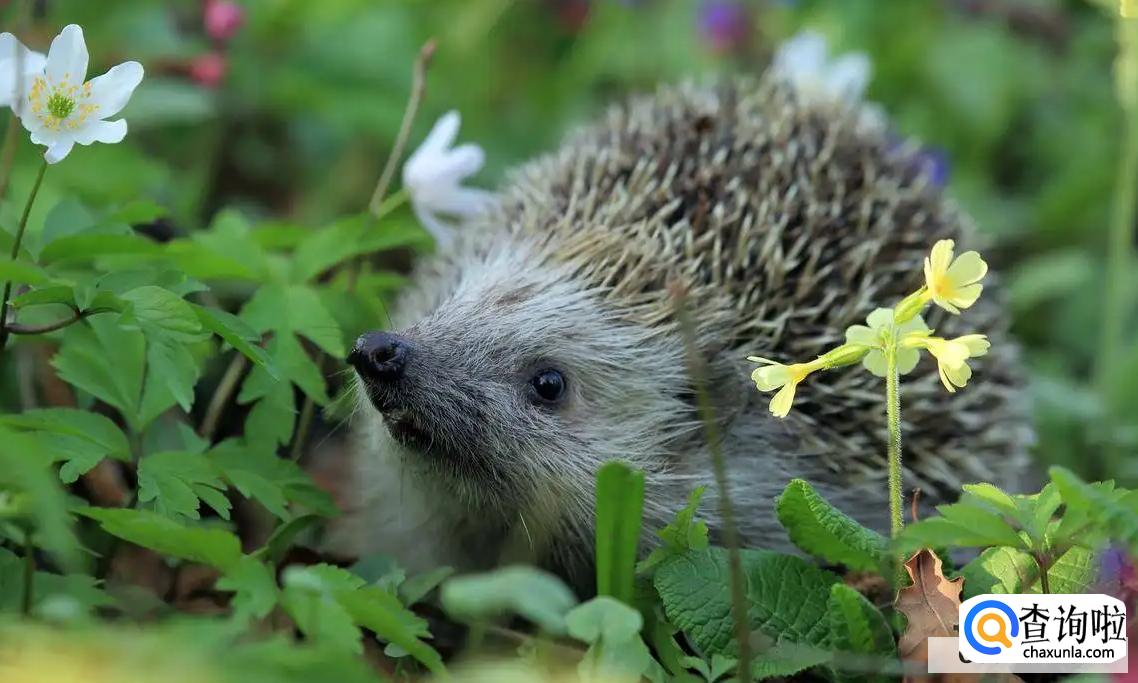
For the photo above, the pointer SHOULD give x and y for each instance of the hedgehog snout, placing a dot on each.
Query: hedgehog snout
(380, 358)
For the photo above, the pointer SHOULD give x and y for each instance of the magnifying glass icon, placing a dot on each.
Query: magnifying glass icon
(993, 628)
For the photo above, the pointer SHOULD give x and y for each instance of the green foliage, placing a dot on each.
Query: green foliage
(528, 592)
(619, 508)
(683, 533)
(822, 530)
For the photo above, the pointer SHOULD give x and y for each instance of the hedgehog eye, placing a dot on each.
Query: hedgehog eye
(547, 386)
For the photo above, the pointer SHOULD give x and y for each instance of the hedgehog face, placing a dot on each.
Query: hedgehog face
(511, 382)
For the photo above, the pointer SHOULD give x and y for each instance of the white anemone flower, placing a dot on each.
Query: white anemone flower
(433, 177)
(804, 62)
(19, 66)
(63, 108)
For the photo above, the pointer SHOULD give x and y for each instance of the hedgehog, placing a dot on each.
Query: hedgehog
(545, 339)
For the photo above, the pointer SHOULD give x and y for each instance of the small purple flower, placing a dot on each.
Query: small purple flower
(724, 24)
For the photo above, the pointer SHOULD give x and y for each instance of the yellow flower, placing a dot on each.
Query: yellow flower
(785, 378)
(951, 355)
(877, 337)
(953, 284)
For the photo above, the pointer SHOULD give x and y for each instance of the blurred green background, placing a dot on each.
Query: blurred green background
(289, 110)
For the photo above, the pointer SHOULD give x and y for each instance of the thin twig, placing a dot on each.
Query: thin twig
(76, 316)
(697, 371)
(418, 87)
(220, 399)
(915, 505)
(16, 252)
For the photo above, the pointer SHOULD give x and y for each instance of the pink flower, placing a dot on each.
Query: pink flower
(222, 18)
(208, 70)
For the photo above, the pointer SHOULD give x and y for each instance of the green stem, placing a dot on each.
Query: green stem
(16, 252)
(29, 572)
(1044, 581)
(1117, 304)
(893, 414)
(8, 152)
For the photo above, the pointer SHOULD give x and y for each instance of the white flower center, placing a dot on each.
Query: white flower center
(61, 105)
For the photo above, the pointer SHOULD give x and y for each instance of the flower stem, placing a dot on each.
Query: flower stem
(893, 414)
(16, 252)
(418, 87)
(1044, 581)
(8, 152)
(1117, 302)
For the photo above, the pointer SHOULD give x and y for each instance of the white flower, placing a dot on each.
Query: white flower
(18, 68)
(433, 176)
(63, 108)
(803, 62)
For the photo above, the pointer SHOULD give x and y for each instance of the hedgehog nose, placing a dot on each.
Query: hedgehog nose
(380, 356)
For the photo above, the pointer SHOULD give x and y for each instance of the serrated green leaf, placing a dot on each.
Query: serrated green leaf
(177, 482)
(787, 597)
(1115, 511)
(215, 547)
(52, 294)
(619, 512)
(683, 533)
(90, 437)
(237, 334)
(822, 530)
(161, 312)
(382, 613)
(259, 474)
(106, 361)
(34, 491)
(1005, 570)
(171, 373)
(254, 586)
(272, 419)
(80, 593)
(309, 597)
(348, 238)
(785, 659)
(857, 627)
(529, 592)
(294, 308)
(414, 589)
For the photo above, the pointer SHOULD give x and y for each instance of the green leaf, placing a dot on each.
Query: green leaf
(857, 627)
(53, 294)
(786, 659)
(619, 511)
(1115, 511)
(254, 586)
(272, 419)
(86, 246)
(612, 629)
(161, 312)
(106, 361)
(237, 334)
(22, 272)
(684, 533)
(77, 593)
(78, 437)
(414, 589)
(25, 470)
(346, 239)
(1004, 570)
(962, 524)
(538, 596)
(178, 481)
(381, 612)
(215, 547)
(309, 597)
(787, 597)
(171, 373)
(274, 482)
(822, 530)
(294, 308)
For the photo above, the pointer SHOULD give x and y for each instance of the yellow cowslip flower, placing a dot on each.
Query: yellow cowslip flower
(953, 284)
(951, 355)
(785, 378)
(876, 336)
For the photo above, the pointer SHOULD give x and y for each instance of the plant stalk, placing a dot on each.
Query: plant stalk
(29, 573)
(893, 415)
(16, 252)
(697, 370)
(1118, 303)
(8, 152)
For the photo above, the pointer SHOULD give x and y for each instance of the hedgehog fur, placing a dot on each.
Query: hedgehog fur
(784, 222)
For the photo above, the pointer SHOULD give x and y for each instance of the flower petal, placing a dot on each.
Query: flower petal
(442, 134)
(939, 259)
(19, 67)
(465, 202)
(67, 58)
(111, 91)
(780, 404)
(907, 359)
(770, 377)
(439, 230)
(946, 303)
(965, 296)
(860, 334)
(977, 344)
(875, 363)
(58, 150)
(109, 132)
(967, 268)
(464, 160)
(849, 75)
(880, 318)
(802, 57)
